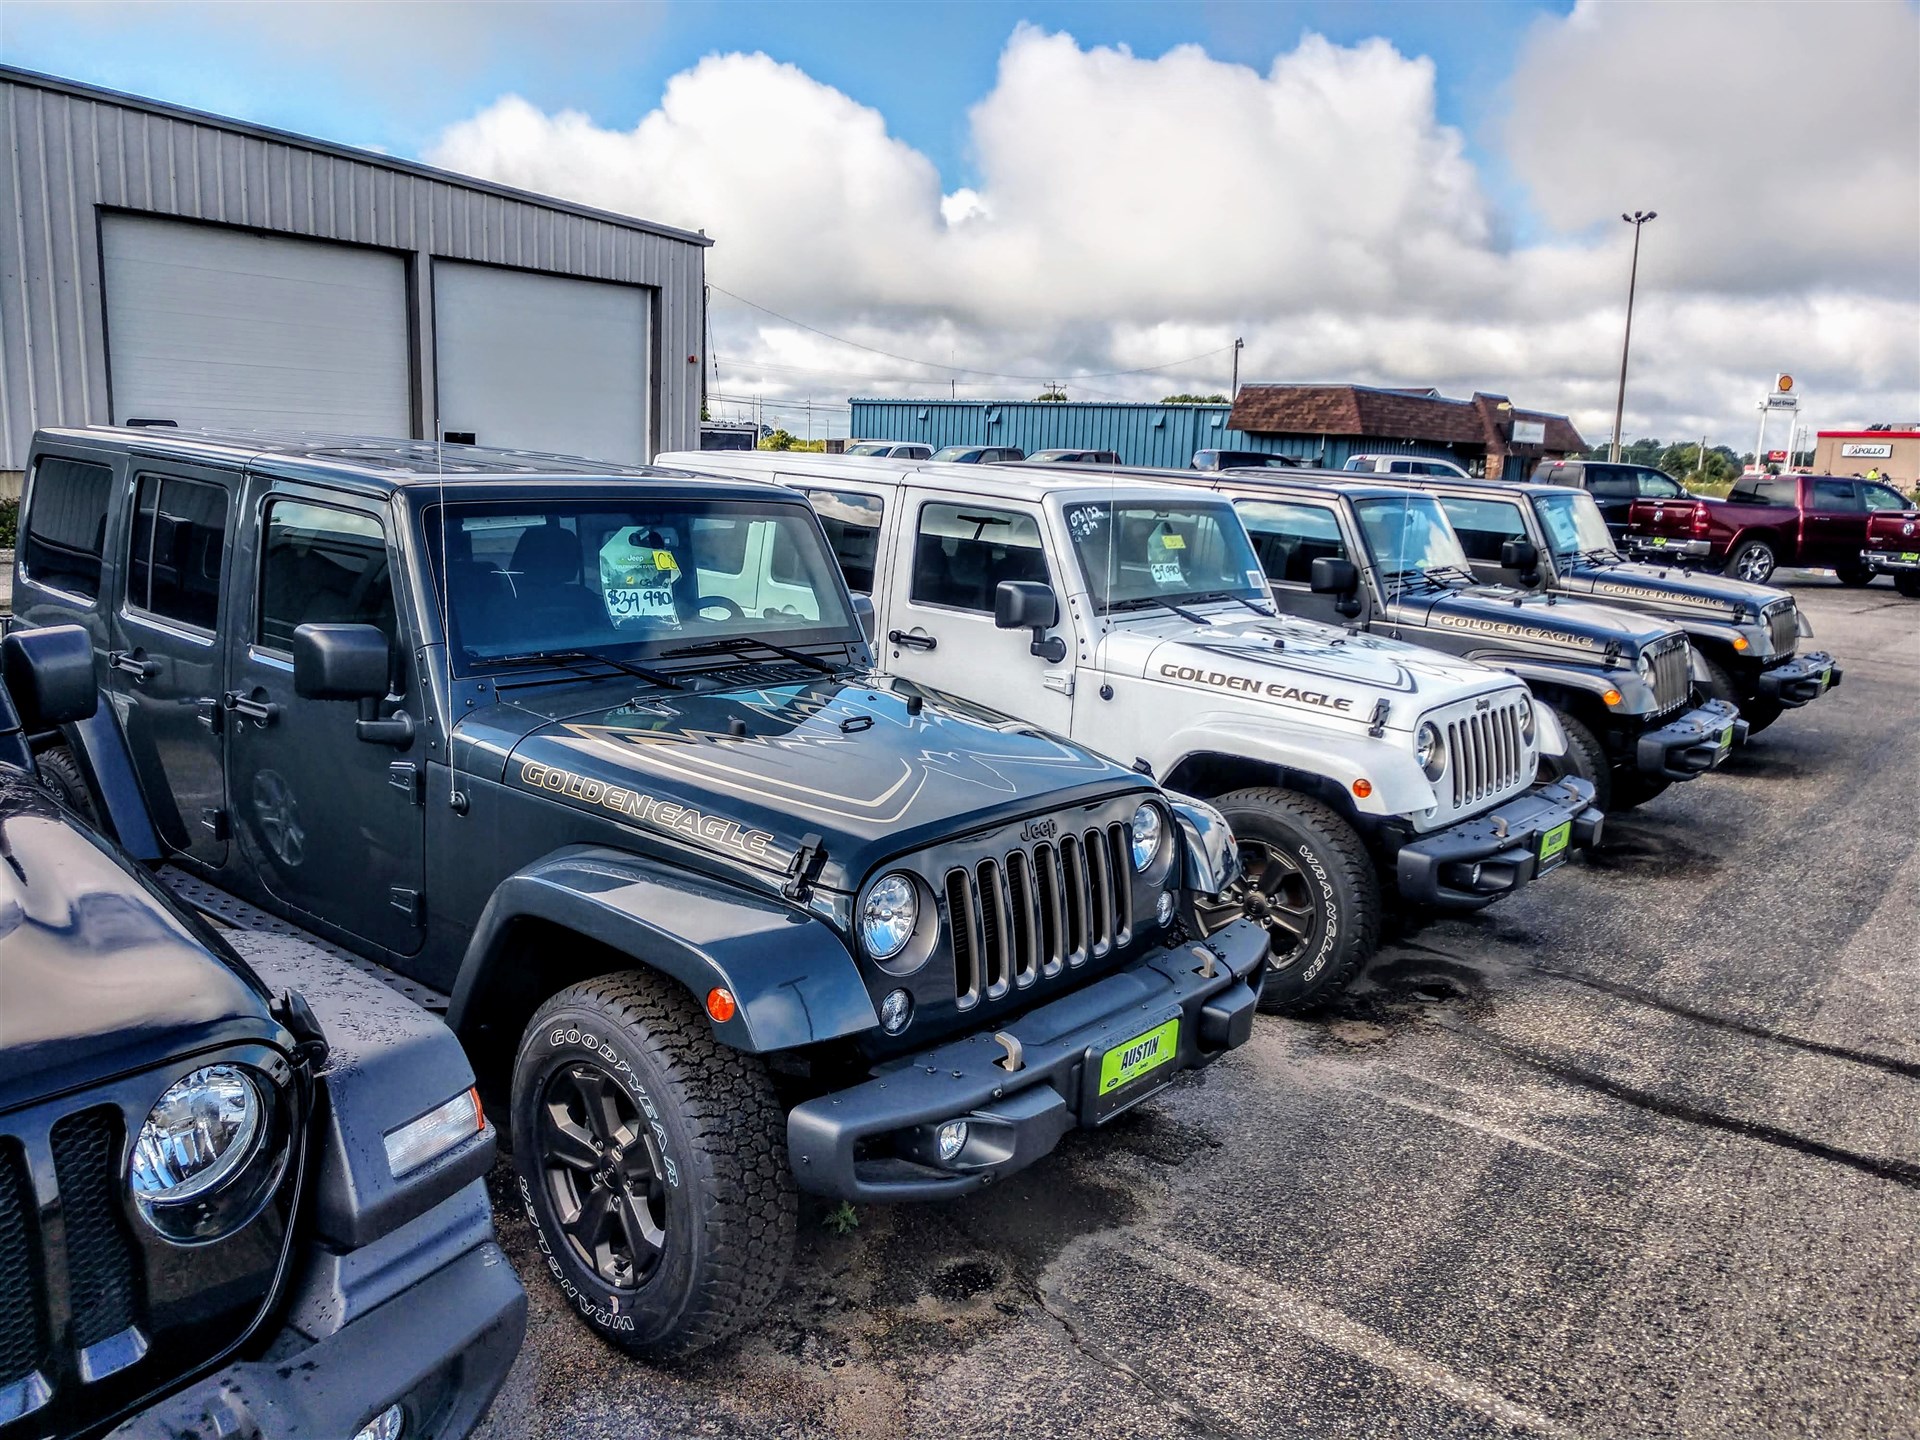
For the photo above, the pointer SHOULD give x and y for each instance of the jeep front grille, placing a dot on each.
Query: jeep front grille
(1486, 753)
(1783, 626)
(1036, 911)
(1672, 673)
(23, 1336)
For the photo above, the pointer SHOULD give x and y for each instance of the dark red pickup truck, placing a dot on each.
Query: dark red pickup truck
(1768, 521)
(1893, 548)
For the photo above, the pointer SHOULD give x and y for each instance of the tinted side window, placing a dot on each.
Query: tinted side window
(1610, 485)
(175, 556)
(1289, 537)
(1484, 525)
(1884, 497)
(1658, 485)
(321, 566)
(1835, 495)
(67, 525)
(1778, 492)
(852, 523)
(963, 552)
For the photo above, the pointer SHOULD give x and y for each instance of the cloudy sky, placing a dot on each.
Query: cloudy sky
(976, 198)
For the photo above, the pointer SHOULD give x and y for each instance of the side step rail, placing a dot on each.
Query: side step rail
(229, 912)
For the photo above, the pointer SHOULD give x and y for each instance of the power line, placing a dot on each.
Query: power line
(962, 369)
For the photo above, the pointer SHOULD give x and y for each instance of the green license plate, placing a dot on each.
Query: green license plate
(1912, 557)
(1826, 677)
(1142, 1055)
(1726, 738)
(1659, 542)
(1553, 844)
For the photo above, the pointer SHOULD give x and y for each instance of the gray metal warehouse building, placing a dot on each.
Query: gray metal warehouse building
(162, 264)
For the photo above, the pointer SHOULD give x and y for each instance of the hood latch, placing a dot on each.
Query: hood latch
(1377, 722)
(804, 869)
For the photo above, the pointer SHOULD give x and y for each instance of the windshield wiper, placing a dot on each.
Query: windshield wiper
(1608, 556)
(747, 642)
(1414, 580)
(1141, 602)
(573, 660)
(1229, 595)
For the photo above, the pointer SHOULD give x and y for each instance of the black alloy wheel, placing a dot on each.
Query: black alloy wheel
(603, 1175)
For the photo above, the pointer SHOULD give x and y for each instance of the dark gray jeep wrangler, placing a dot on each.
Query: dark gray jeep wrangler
(596, 757)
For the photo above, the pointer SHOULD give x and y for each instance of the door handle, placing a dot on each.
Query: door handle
(134, 664)
(261, 712)
(911, 642)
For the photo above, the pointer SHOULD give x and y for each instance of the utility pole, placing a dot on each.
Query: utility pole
(1636, 219)
(1234, 392)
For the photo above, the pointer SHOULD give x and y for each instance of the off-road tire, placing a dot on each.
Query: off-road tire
(1334, 871)
(1634, 787)
(1585, 758)
(1756, 556)
(60, 772)
(1760, 712)
(717, 1134)
(1853, 576)
(1720, 684)
(1907, 582)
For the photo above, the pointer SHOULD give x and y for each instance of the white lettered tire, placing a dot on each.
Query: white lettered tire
(651, 1163)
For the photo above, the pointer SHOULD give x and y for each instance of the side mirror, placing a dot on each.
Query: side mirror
(1523, 556)
(863, 612)
(1029, 605)
(340, 662)
(49, 674)
(1340, 578)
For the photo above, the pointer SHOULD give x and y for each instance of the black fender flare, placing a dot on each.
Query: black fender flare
(790, 975)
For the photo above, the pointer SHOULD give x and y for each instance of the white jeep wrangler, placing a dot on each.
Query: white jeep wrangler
(1136, 619)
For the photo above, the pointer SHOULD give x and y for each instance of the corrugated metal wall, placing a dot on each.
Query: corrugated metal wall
(67, 153)
(1139, 434)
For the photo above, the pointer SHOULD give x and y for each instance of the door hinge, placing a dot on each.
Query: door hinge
(804, 868)
(410, 903)
(1061, 680)
(409, 779)
(214, 822)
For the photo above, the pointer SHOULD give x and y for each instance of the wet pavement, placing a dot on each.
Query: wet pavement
(1636, 1153)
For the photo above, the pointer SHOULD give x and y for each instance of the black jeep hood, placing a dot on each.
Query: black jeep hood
(98, 975)
(1528, 620)
(750, 773)
(1670, 588)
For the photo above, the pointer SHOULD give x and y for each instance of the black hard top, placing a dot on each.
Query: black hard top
(384, 463)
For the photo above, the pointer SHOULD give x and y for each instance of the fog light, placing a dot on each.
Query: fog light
(1473, 877)
(1163, 907)
(895, 1011)
(952, 1139)
(387, 1425)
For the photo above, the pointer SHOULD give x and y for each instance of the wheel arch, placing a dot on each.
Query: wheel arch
(1210, 774)
(586, 911)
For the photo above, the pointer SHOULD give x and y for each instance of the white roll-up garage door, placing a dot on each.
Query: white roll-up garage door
(541, 362)
(216, 327)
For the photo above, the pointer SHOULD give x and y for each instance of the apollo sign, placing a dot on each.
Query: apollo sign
(1867, 452)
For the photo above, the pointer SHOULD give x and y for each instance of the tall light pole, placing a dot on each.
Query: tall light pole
(1636, 220)
(1238, 345)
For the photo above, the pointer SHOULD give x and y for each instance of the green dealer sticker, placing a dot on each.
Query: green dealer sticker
(1129, 1060)
(1554, 843)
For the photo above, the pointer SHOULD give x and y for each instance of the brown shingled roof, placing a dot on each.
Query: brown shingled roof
(1383, 414)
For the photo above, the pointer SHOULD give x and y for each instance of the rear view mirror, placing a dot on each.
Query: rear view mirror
(1334, 576)
(1030, 605)
(1523, 556)
(49, 674)
(340, 662)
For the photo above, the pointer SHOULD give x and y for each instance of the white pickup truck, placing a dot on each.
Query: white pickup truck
(1136, 619)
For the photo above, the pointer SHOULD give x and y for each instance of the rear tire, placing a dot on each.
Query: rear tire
(1585, 758)
(652, 1165)
(1907, 582)
(1854, 575)
(1751, 560)
(1315, 893)
(59, 770)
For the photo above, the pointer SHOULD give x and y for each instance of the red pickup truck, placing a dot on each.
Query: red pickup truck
(1768, 521)
(1893, 548)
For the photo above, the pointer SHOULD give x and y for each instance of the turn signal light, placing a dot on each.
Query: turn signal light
(1612, 697)
(1363, 788)
(721, 1005)
(1739, 642)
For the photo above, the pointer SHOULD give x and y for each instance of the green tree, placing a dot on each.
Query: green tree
(1688, 465)
(1193, 399)
(1052, 392)
(778, 440)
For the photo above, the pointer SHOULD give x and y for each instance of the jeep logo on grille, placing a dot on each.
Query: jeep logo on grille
(1485, 702)
(1039, 830)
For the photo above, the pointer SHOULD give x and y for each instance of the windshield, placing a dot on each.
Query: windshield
(869, 449)
(634, 577)
(1409, 532)
(1573, 525)
(956, 452)
(1131, 552)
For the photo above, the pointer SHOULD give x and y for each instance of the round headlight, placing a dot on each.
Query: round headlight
(1643, 663)
(1526, 718)
(1429, 750)
(887, 918)
(1146, 835)
(197, 1137)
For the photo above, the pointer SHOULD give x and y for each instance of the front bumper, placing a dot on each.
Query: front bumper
(1891, 562)
(440, 1347)
(1474, 863)
(1666, 547)
(1799, 680)
(875, 1140)
(1698, 741)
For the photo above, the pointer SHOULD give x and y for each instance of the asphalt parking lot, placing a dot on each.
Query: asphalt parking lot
(1636, 1153)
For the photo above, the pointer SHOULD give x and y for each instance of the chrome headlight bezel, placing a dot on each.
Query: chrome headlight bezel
(1528, 728)
(1430, 750)
(1643, 667)
(1146, 835)
(209, 1153)
(889, 914)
